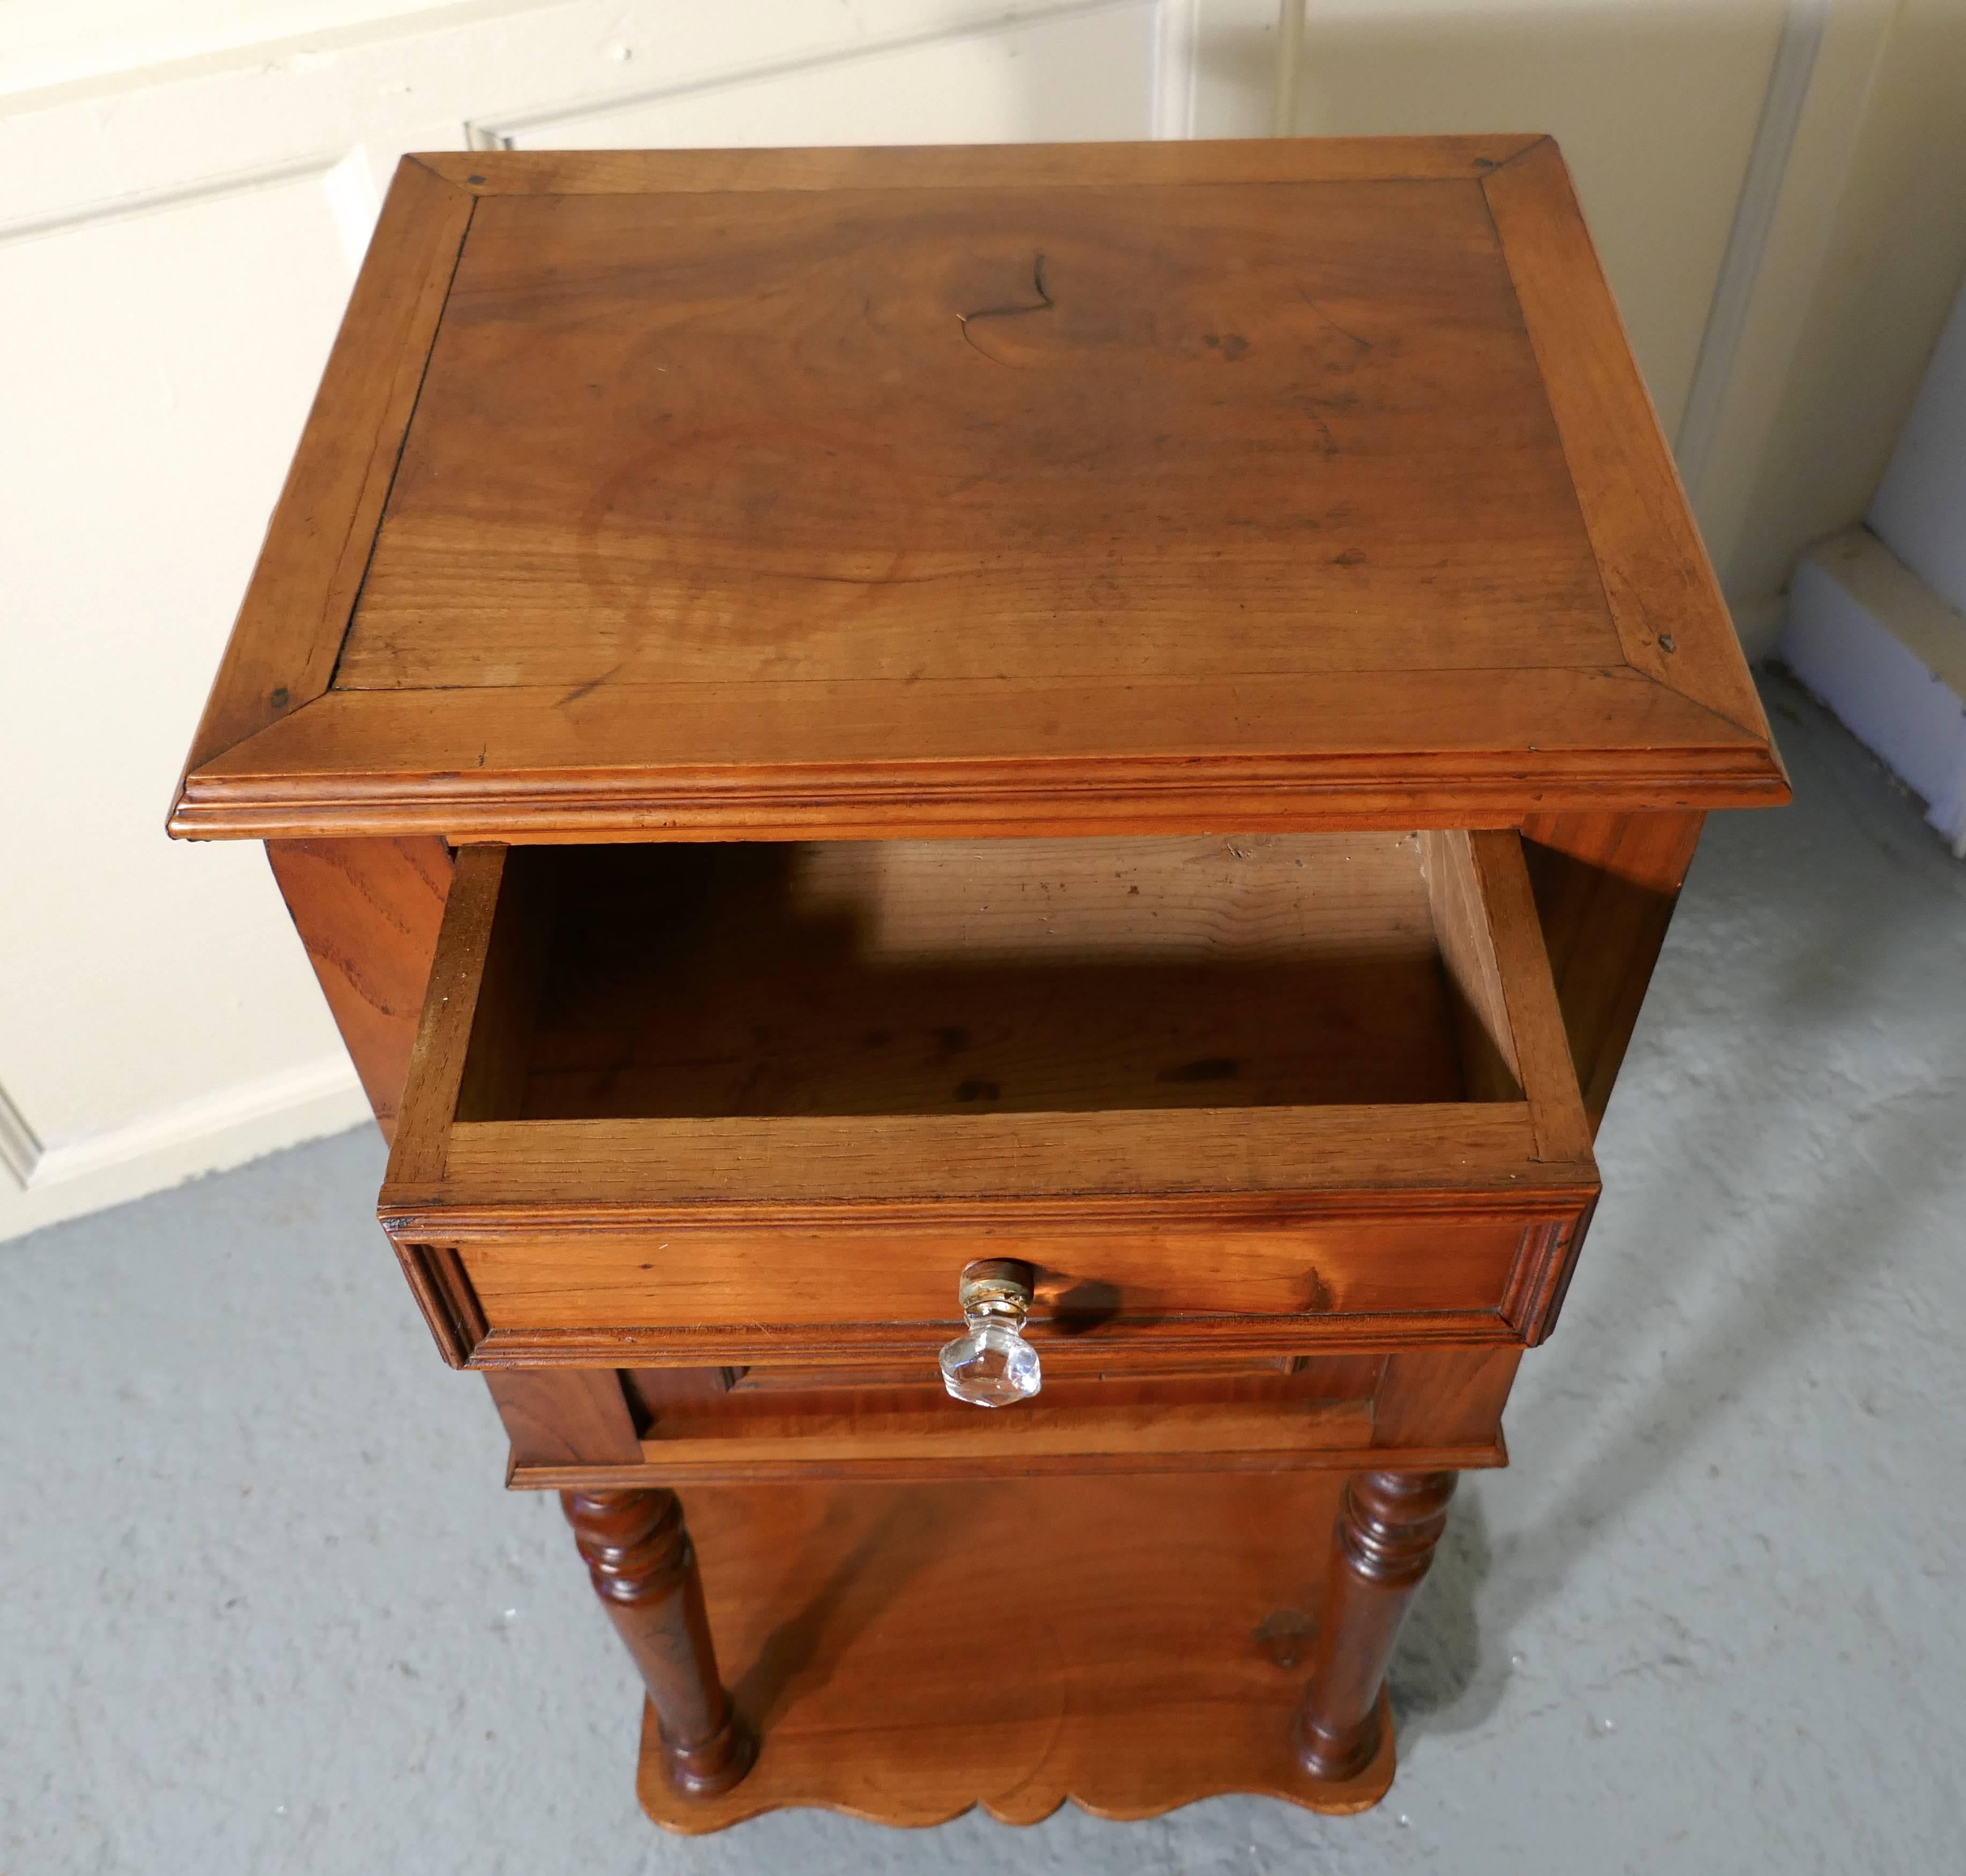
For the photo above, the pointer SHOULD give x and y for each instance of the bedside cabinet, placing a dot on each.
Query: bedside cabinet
(988, 823)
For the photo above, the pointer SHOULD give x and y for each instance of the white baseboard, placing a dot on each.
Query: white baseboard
(208, 1134)
(1878, 645)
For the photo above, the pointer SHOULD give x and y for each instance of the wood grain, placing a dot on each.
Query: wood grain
(1151, 1646)
(957, 490)
(1334, 1377)
(1535, 1018)
(1125, 1409)
(867, 942)
(565, 1416)
(1195, 1431)
(990, 507)
(457, 977)
(1358, 750)
(290, 626)
(660, 1233)
(369, 913)
(1605, 886)
(442, 1289)
(1542, 1274)
(1193, 1165)
(947, 976)
(1382, 1545)
(1153, 1413)
(1102, 489)
(1440, 1397)
(1489, 1068)
(995, 166)
(882, 1344)
(733, 1465)
(1672, 621)
(643, 1568)
(791, 1277)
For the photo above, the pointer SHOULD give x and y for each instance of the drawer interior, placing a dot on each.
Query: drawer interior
(1008, 977)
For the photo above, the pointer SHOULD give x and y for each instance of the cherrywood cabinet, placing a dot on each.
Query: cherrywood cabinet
(1128, 716)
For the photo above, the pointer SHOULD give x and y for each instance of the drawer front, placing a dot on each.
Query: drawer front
(1416, 1408)
(741, 1296)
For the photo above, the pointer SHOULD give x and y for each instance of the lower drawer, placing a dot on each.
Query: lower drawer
(1414, 1409)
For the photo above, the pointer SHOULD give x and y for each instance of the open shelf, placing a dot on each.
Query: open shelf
(1126, 1645)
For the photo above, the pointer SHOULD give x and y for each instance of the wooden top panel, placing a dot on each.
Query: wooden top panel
(878, 491)
(893, 436)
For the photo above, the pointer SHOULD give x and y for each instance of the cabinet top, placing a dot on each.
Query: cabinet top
(1154, 487)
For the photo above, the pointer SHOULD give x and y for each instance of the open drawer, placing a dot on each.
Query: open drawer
(760, 1103)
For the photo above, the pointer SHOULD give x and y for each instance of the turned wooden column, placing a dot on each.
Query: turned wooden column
(643, 1567)
(1381, 1549)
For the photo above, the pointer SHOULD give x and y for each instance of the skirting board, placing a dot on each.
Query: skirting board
(1888, 655)
(206, 1134)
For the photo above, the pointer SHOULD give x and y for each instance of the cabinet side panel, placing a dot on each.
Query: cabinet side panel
(369, 911)
(565, 1416)
(1605, 886)
(1430, 1397)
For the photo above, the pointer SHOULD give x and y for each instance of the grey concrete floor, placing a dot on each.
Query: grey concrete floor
(264, 1606)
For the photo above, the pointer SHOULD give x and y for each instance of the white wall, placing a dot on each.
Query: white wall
(1919, 512)
(1861, 258)
(45, 43)
(1655, 107)
(185, 186)
(182, 210)
(1777, 189)
(1876, 622)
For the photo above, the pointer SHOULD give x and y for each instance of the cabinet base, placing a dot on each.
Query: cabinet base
(906, 1652)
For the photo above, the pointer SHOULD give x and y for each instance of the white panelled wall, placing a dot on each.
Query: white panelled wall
(180, 220)
(186, 186)
(1877, 618)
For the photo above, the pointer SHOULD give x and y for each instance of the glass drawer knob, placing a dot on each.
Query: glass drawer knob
(992, 1365)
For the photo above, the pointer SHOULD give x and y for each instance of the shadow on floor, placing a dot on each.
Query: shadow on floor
(1811, 1159)
(1439, 1681)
